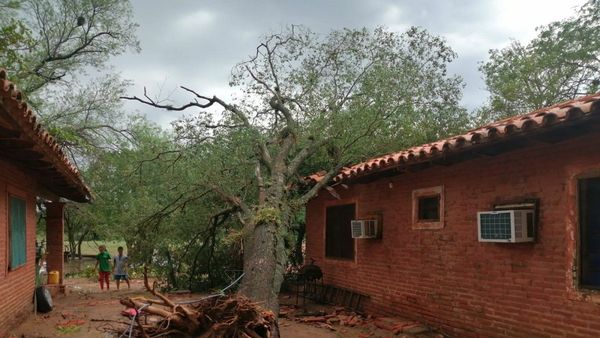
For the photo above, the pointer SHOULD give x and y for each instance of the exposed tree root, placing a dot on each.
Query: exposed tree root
(221, 316)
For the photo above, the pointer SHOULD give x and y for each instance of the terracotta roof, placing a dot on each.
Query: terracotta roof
(24, 141)
(549, 117)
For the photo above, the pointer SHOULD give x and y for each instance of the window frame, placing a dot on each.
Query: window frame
(575, 291)
(423, 224)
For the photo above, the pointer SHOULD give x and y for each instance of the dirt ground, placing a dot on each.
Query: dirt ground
(85, 311)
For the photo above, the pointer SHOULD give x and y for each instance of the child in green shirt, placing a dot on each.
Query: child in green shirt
(103, 260)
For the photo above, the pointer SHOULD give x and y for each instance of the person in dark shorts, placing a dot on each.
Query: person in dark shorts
(103, 266)
(120, 268)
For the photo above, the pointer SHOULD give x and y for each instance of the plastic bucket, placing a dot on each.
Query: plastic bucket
(53, 277)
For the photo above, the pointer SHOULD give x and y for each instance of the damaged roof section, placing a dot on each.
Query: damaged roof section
(555, 117)
(24, 142)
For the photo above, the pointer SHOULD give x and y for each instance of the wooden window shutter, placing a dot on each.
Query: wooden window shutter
(18, 231)
(338, 234)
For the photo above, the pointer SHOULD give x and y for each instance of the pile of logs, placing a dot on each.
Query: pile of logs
(219, 316)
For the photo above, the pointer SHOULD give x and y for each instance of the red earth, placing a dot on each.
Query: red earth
(86, 311)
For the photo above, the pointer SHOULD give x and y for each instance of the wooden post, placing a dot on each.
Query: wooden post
(55, 238)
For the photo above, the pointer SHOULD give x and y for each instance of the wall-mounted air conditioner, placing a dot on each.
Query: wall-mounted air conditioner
(366, 228)
(506, 226)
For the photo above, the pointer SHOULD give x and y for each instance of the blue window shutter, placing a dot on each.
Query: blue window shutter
(18, 242)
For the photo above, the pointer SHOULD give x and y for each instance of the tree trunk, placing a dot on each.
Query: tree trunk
(72, 243)
(264, 262)
(171, 269)
(80, 242)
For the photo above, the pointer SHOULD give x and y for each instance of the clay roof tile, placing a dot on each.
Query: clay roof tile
(12, 100)
(544, 117)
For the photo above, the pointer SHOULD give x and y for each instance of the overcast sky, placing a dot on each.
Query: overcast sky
(196, 43)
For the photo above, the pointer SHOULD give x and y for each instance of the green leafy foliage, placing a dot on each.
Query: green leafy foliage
(15, 36)
(307, 102)
(52, 50)
(89, 119)
(146, 193)
(404, 97)
(88, 271)
(559, 64)
(72, 36)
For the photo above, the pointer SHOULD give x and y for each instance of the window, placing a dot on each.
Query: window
(589, 232)
(428, 208)
(338, 233)
(17, 233)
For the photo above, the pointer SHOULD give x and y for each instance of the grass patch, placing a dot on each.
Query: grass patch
(65, 330)
(91, 247)
(69, 326)
(85, 271)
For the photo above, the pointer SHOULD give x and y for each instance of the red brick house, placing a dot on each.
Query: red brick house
(429, 262)
(32, 166)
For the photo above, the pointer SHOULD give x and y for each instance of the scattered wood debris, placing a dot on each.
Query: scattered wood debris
(219, 316)
(339, 318)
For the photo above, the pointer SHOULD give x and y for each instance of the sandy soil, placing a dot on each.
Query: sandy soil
(83, 304)
(85, 311)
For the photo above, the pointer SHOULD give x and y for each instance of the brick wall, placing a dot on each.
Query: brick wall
(16, 287)
(447, 278)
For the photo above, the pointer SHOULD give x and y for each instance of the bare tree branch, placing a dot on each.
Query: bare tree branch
(263, 150)
(305, 153)
(153, 103)
(229, 198)
(325, 179)
(260, 183)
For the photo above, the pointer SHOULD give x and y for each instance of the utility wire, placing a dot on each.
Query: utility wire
(220, 293)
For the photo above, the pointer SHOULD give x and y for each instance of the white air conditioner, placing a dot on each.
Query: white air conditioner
(506, 226)
(366, 228)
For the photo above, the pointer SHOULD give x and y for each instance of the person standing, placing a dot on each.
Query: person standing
(103, 267)
(120, 268)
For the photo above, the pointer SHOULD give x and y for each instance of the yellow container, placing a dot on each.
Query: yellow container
(53, 277)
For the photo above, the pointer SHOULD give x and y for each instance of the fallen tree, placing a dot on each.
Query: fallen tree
(212, 316)
(306, 102)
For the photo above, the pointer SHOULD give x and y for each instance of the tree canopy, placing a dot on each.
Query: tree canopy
(53, 50)
(67, 37)
(562, 62)
(57, 53)
(309, 102)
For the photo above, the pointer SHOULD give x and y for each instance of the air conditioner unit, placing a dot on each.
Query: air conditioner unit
(366, 228)
(506, 226)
